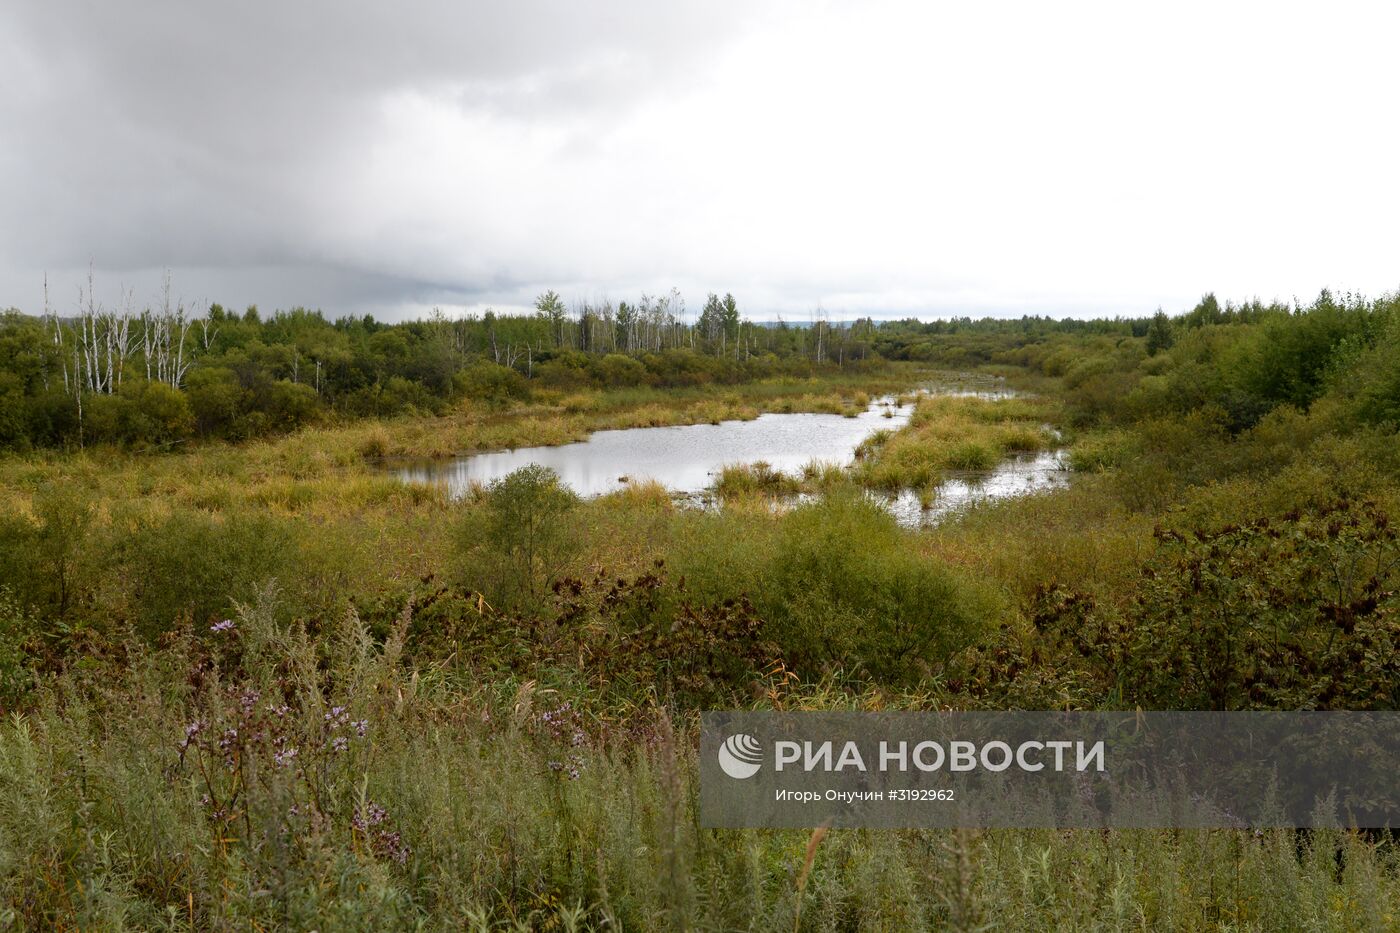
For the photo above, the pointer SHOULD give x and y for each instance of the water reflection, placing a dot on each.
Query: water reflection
(684, 458)
(1018, 476)
(687, 458)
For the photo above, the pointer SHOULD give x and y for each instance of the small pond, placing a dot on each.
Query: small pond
(687, 459)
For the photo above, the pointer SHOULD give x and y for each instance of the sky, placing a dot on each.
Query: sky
(885, 158)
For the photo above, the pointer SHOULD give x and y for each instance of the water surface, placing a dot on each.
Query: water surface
(687, 459)
(1016, 476)
(684, 458)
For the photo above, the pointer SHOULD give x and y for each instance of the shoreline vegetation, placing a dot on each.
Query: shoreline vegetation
(251, 680)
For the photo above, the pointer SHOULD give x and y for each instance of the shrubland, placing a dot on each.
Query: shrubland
(264, 684)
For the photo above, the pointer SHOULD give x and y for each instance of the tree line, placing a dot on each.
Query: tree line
(160, 374)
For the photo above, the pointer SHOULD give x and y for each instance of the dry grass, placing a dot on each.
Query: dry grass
(953, 433)
(738, 480)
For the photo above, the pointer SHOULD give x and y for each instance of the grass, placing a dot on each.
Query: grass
(952, 433)
(103, 822)
(750, 479)
(348, 589)
(307, 472)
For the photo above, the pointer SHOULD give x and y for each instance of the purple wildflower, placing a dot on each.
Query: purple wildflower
(191, 730)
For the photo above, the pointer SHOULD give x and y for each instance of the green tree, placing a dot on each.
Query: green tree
(729, 316)
(711, 322)
(1207, 311)
(1159, 333)
(551, 307)
(521, 538)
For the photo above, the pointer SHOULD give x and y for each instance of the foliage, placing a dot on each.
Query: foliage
(521, 537)
(18, 629)
(1298, 611)
(526, 667)
(841, 589)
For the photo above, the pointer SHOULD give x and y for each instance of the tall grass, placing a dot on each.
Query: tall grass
(748, 479)
(495, 816)
(953, 433)
(537, 769)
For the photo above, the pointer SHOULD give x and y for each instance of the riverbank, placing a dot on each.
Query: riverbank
(316, 470)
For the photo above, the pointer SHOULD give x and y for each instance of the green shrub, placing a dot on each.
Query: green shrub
(517, 539)
(615, 370)
(1297, 611)
(157, 414)
(843, 589)
(17, 629)
(216, 400)
(49, 560)
(488, 382)
(196, 566)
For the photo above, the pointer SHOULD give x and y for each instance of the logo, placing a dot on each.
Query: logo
(740, 755)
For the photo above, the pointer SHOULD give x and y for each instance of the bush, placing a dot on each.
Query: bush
(287, 405)
(157, 414)
(216, 400)
(46, 560)
(484, 381)
(191, 565)
(17, 628)
(618, 371)
(517, 540)
(844, 588)
(14, 427)
(1298, 611)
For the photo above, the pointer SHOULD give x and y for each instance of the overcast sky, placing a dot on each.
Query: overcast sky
(868, 157)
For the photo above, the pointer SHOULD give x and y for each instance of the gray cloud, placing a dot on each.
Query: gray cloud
(879, 156)
(196, 136)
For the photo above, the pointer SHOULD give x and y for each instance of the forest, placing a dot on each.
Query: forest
(252, 679)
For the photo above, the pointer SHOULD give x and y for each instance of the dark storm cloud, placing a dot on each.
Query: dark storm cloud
(885, 156)
(197, 136)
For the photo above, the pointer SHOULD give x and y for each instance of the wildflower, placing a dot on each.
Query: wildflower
(390, 844)
(191, 730)
(284, 757)
(225, 626)
(339, 744)
(369, 820)
(371, 814)
(361, 727)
